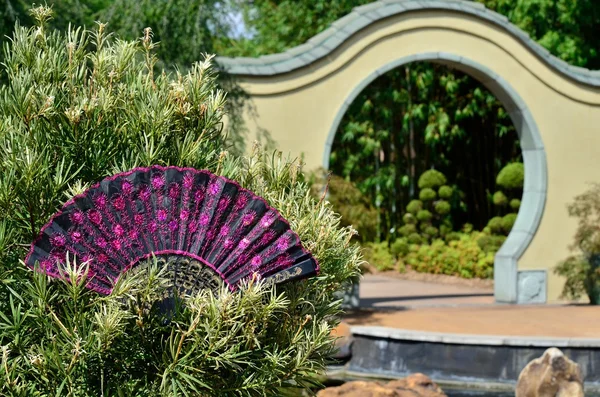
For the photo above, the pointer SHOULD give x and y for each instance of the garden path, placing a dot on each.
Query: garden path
(434, 307)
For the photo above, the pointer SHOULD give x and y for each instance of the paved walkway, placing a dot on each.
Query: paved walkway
(421, 306)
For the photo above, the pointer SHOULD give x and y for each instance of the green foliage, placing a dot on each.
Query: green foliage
(427, 194)
(442, 207)
(452, 236)
(515, 204)
(350, 203)
(378, 255)
(431, 231)
(414, 207)
(80, 106)
(445, 192)
(414, 238)
(581, 278)
(424, 215)
(400, 247)
(461, 256)
(508, 221)
(499, 199)
(491, 243)
(407, 229)
(409, 219)
(495, 224)
(431, 179)
(511, 176)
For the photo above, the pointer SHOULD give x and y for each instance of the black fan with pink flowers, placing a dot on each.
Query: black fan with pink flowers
(205, 228)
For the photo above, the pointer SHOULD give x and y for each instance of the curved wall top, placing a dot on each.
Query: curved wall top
(321, 45)
(300, 97)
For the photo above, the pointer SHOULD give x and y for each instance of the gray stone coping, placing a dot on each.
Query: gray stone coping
(321, 45)
(466, 339)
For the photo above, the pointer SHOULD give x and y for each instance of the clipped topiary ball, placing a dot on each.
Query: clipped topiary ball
(499, 199)
(445, 229)
(424, 215)
(414, 206)
(442, 207)
(431, 179)
(400, 247)
(445, 192)
(415, 238)
(508, 221)
(511, 176)
(427, 194)
(431, 231)
(515, 204)
(409, 219)
(407, 229)
(490, 243)
(495, 224)
(452, 236)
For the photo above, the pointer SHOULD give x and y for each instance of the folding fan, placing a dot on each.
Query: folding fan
(205, 228)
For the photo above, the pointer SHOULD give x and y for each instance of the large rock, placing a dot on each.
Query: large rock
(551, 375)
(416, 385)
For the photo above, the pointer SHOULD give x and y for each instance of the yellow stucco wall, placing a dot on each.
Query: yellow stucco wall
(298, 108)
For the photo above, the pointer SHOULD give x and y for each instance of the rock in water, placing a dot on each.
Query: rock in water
(416, 385)
(551, 375)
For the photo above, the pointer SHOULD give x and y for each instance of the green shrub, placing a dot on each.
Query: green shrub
(499, 199)
(349, 202)
(460, 257)
(442, 207)
(407, 229)
(379, 256)
(581, 278)
(508, 221)
(452, 236)
(511, 176)
(415, 238)
(414, 206)
(431, 231)
(409, 219)
(444, 230)
(491, 243)
(400, 247)
(467, 228)
(424, 215)
(427, 194)
(515, 204)
(495, 224)
(445, 192)
(431, 179)
(76, 109)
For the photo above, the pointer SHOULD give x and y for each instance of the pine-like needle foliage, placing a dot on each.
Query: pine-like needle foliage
(80, 106)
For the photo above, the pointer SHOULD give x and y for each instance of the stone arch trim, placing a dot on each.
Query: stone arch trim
(534, 157)
(323, 44)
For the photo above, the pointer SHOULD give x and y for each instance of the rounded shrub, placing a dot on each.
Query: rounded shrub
(495, 224)
(444, 230)
(452, 236)
(427, 194)
(400, 247)
(490, 243)
(442, 207)
(407, 229)
(445, 192)
(511, 176)
(431, 231)
(415, 238)
(424, 215)
(414, 206)
(499, 199)
(409, 219)
(378, 255)
(508, 221)
(515, 204)
(431, 179)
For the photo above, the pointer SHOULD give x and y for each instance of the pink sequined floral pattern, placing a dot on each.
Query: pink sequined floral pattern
(171, 211)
